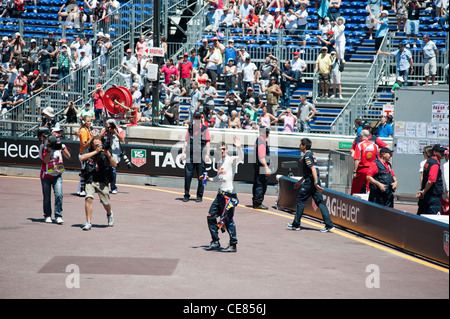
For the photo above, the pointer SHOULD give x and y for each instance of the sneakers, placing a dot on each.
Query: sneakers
(290, 226)
(340, 97)
(214, 245)
(59, 220)
(114, 191)
(48, 220)
(110, 219)
(326, 229)
(185, 198)
(87, 226)
(332, 96)
(230, 249)
(260, 206)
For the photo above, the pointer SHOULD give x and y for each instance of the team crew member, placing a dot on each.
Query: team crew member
(85, 136)
(365, 153)
(197, 144)
(310, 186)
(262, 170)
(432, 183)
(372, 138)
(226, 199)
(382, 180)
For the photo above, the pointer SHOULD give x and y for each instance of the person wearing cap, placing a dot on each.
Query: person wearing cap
(52, 168)
(398, 84)
(227, 19)
(208, 97)
(104, 46)
(35, 86)
(212, 62)
(249, 74)
(241, 58)
(18, 44)
(365, 153)
(17, 96)
(195, 101)
(221, 118)
(373, 138)
(48, 118)
(432, 187)
(213, 17)
(382, 180)
(404, 61)
(335, 74)
(382, 23)
(22, 81)
(274, 92)
(429, 54)
(310, 186)
(46, 52)
(339, 38)
(195, 153)
(250, 22)
(329, 42)
(230, 72)
(7, 53)
(12, 74)
(186, 73)
(33, 55)
(298, 66)
(374, 8)
(230, 52)
(244, 10)
(324, 65)
(262, 170)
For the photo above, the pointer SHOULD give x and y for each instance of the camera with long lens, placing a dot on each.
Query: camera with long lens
(44, 134)
(126, 160)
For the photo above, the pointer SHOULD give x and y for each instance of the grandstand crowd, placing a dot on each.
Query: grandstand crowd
(254, 93)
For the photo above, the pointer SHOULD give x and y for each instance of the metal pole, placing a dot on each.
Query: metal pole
(156, 43)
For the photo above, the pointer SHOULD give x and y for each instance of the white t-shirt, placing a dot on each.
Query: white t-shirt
(291, 21)
(249, 72)
(297, 65)
(303, 18)
(226, 171)
(266, 22)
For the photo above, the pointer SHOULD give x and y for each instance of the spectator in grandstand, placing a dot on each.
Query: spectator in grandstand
(18, 44)
(230, 72)
(322, 9)
(219, 48)
(443, 16)
(302, 22)
(7, 52)
(250, 22)
(203, 51)
(398, 84)
(273, 95)
(385, 129)
(208, 95)
(374, 8)
(17, 96)
(22, 81)
(130, 62)
(334, 9)
(329, 42)
(195, 60)
(382, 23)
(429, 54)
(232, 101)
(221, 119)
(324, 28)
(212, 60)
(249, 108)
(266, 119)
(140, 46)
(4, 97)
(323, 65)
(12, 74)
(201, 77)
(169, 113)
(186, 73)
(339, 37)
(264, 73)
(105, 49)
(195, 101)
(71, 112)
(173, 93)
(335, 74)
(404, 61)
(244, 10)
(298, 66)
(305, 112)
(64, 60)
(233, 120)
(46, 51)
(213, 18)
(290, 22)
(228, 19)
(136, 94)
(33, 55)
(241, 57)
(266, 23)
(168, 69)
(35, 86)
(401, 14)
(288, 119)
(87, 112)
(287, 78)
(249, 74)
(412, 24)
(246, 123)
(71, 7)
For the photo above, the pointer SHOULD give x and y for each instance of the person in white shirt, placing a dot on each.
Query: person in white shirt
(298, 66)
(226, 200)
(302, 22)
(290, 22)
(227, 19)
(339, 37)
(249, 71)
(266, 23)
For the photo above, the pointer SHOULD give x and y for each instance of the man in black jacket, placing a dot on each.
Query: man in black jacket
(98, 174)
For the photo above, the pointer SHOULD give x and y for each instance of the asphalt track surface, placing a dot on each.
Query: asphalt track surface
(156, 251)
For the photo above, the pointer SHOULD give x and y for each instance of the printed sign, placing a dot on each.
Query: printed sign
(138, 157)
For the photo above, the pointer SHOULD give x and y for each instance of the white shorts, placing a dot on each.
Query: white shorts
(429, 66)
(335, 77)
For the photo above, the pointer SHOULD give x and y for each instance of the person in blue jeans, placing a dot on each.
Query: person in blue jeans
(287, 78)
(52, 153)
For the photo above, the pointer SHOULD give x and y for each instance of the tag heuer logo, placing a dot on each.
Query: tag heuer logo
(138, 157)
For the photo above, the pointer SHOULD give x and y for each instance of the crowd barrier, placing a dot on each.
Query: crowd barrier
(411, 233)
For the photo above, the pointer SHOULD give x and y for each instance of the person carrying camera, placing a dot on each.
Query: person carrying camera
(113, 136)
(51, 153)
(97, 174)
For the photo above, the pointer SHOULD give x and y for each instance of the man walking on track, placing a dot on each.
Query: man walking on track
(365, 153)
(226, 199)
(262, 169)
(310, 186)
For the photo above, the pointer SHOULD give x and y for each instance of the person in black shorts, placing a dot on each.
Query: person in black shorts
(310, 186)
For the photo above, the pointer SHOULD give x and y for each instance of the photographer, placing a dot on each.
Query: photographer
(71, 113)
(113, 135)
(97, 174)
(51, 153)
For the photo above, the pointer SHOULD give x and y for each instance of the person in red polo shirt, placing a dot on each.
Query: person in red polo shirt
(365, 153)
(366, 126)
(186, 73)
(251, 22)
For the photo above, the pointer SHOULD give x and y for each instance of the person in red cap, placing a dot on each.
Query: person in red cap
(329, 42)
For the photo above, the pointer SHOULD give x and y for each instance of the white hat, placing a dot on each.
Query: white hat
(49, 111)
(33, 40)
(5, 38)
(400, 78)
(341, 18)
(107, 35)
(385, 12)
(100, 34)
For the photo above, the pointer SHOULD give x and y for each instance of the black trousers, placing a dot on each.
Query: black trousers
(223, 208)
(190, 169)
(382, 198)
(259, 187)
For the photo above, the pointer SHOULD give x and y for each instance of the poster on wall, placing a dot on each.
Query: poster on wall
(439, 112)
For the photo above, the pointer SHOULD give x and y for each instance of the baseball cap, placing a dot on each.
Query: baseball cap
(330, 32)
(446, 152)
(296, 53)
(384, 150)
(197, 115)
(438, 148)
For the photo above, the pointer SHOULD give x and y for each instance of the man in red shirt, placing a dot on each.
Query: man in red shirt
(99, 106)
(382, 180)
(366, 152)
(186, 73)
(372, 138)
(168, 70)
(251, 22)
